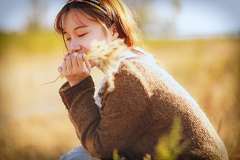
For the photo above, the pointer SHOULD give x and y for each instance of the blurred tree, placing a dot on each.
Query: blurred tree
(37, 13)
(157, 16)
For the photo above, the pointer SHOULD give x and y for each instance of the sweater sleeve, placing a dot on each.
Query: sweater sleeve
(122, 120)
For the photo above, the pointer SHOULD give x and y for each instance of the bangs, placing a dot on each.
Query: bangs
(86, 10)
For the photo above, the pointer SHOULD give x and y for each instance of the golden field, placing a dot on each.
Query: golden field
(34, 123)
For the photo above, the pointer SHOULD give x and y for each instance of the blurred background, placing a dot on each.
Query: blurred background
(197, 42)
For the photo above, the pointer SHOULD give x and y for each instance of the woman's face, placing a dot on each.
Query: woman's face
(80, 30)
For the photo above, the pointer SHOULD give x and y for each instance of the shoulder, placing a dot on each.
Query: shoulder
(141, 67)
(153, 78)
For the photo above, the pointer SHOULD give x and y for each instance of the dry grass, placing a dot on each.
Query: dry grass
(210, 72)
(34, 123)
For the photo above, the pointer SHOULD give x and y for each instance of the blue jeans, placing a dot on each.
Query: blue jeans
(78, 153)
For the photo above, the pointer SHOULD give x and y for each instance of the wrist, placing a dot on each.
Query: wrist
(75, 82)
(68, 93)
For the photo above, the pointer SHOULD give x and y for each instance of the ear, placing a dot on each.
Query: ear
(113, 32)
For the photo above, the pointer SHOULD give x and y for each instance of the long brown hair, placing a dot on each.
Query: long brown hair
(118, 13)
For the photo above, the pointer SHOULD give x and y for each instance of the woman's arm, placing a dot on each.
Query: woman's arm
(123, 119)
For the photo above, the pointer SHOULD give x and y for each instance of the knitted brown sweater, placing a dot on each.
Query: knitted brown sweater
(137, 113)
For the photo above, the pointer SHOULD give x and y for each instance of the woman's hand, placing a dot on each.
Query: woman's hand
(74, 68)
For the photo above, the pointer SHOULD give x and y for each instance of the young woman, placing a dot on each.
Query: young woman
(141, 108)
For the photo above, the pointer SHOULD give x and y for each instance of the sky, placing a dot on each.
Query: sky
(209, 17)
(196, 17)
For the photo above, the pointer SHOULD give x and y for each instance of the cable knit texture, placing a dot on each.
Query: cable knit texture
(137, 113)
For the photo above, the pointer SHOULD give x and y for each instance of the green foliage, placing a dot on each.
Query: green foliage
(147, 157)
(168, 146)
(115, 155)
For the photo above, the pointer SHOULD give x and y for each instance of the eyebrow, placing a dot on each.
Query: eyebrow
(76, 28)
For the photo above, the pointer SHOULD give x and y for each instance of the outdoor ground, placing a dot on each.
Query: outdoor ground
(34, 123)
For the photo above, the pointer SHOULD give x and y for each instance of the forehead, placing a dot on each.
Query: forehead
(76, 17)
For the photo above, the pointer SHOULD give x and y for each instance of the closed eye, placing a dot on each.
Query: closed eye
(78, 36)
(82, 35)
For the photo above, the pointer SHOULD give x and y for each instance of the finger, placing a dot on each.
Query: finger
(65, 56)
(80, 61)
(88, 65)
(92, 63)
(74, 60)
(60, 69)
(64, 68)
(82, 65)
(68, 63)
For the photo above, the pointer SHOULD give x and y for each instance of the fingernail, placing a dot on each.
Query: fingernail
(75, 53)
(65, 56)
(59, 69)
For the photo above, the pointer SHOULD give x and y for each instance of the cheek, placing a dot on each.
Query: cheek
(86, 43)
(99, 36)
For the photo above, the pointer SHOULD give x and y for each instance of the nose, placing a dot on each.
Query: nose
(74, 46)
